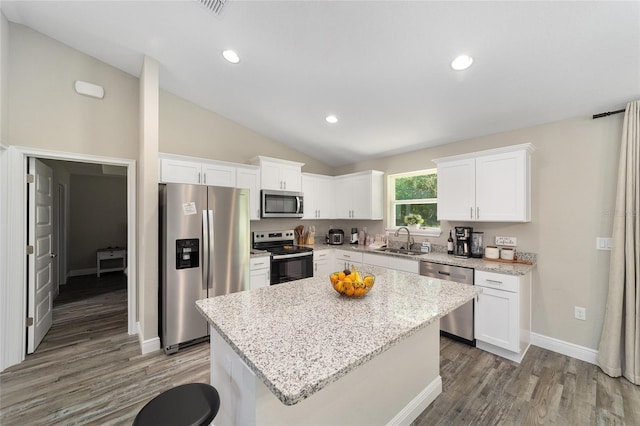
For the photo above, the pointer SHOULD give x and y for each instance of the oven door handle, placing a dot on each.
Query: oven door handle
(289, 256)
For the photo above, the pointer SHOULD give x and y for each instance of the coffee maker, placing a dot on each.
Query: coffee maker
(463, 241)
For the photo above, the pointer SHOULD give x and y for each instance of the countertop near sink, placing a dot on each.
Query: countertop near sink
(443, 258)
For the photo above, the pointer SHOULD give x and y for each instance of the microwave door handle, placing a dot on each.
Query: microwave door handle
(297, 204)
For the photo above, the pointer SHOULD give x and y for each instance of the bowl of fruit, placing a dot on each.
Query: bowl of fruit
(352, 283)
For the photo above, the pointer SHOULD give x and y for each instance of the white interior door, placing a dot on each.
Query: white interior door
(40, 265)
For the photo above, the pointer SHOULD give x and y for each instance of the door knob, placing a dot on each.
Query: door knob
(52, 255)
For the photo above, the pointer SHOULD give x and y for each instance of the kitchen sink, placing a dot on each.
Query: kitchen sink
(400, 251)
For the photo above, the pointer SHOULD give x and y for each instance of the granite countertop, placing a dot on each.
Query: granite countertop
(444, 258)
(298, 337)
(258, 253)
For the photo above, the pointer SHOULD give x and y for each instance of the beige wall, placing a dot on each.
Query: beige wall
(188, 129)
(4, 76)
(573, 183)
(46, 112)
(98, 217)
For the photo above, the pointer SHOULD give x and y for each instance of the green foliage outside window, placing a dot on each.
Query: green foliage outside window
(416, 194)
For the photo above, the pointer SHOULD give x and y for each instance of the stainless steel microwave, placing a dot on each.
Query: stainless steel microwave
(281, 204)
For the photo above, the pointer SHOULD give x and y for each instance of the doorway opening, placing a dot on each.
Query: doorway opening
(13, 304)
(86, 248)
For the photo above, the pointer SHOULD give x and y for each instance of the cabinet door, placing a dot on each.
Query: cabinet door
(406, 265)
(260, 272)
(324, 198)
(270, 176)
(179, 171)
(502, 187)
(342, 198)
(376, 260)
(250, 178)
(323, 263)
(360, 196)
(497, 318)
(456, 190)
(310, 191)
(291, 177)
(219, 175)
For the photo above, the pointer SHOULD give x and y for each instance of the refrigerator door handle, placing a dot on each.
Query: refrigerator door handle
(211, 251)
(205, 250)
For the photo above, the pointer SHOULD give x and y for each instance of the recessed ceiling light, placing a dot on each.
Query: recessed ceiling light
(462, 62)
(231, 56)
(331, 119)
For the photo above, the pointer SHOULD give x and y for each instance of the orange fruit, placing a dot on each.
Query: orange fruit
(349, 291)
(368, 281)
(359, 292)
(341, 275)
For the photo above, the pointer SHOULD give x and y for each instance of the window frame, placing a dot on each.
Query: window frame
(392, 202)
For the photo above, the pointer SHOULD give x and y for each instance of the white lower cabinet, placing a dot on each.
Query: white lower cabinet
(344, 259)
(503, 314)
(392, 262)
(260, 270)
(323, 263)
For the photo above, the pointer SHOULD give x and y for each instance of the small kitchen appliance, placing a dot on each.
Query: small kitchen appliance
(476, 244)
(289, 262)
(463, 241)
(354, 236)
(336, 237)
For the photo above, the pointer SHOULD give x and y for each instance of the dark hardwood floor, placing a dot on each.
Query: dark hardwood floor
(88, 370)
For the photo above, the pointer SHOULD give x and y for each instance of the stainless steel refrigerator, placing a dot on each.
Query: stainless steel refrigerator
(204, 252)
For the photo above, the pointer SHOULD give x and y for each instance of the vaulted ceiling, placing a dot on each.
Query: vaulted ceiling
(382, 68)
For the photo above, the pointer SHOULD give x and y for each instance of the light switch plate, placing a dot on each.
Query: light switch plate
(506, 241)
(603, 243)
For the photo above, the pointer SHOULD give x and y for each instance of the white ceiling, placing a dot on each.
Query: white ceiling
(382, 67)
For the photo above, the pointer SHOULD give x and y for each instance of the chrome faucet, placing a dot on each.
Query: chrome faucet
(408, 236)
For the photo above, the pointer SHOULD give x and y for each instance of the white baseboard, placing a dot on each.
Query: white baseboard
(418, 404)
(565, 348)
(150, 345)
(80, 272)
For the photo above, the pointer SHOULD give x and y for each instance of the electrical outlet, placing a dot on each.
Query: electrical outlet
(603, 243)
(580, 313)
(506, 241)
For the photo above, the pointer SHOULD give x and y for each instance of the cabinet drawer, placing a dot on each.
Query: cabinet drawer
(498, 281)
(261, 262)
(320, 254)
(350, 256)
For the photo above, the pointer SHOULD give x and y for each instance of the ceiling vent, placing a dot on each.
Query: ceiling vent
(214, 6)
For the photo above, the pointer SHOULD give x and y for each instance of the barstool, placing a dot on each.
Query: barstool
(193, 404)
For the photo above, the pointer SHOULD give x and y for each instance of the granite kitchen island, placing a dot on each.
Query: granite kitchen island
(300, 353)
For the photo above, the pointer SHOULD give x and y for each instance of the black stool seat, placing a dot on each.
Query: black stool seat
(189, 405)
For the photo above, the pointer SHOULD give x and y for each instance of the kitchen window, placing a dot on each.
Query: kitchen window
(417, 193)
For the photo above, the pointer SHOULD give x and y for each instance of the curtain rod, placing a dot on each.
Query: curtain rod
(606, 114)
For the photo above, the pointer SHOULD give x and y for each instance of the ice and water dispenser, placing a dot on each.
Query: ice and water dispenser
(187, 253)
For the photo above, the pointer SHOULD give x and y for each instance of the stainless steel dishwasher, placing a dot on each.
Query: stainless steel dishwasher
(459, 323)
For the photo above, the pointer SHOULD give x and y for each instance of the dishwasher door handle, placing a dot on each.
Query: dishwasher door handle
(444, 273)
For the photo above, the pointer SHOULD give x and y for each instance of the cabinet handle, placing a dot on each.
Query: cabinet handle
(493, 281)
(477, 212)
(470, 212)
(199, 181)
(315, 267)
(258, 264)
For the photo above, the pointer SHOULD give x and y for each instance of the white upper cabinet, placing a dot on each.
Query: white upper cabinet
(219, 174)
(197, 171)
(318, 196)
(487, 186)
(359, 195)
(279, 175)
(249, 177)
(180, 171)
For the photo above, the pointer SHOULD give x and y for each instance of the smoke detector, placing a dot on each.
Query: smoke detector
(214, 6)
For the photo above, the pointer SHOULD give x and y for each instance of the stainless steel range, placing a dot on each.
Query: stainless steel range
(288, 261)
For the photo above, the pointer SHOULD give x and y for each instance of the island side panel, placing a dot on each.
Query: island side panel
(393, 388)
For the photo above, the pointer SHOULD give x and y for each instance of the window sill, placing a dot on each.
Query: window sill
(426, 232)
